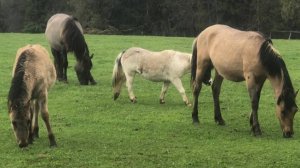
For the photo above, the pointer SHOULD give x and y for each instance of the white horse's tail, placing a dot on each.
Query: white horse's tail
(118, 76)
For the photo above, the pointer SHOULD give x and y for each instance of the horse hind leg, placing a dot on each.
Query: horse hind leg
(216, 88)
(201, 75)
(197, 85)
(129, 84)
(164, 89)
(178, 84)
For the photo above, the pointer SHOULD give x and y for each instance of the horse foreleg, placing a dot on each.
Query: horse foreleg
(35, 121)
(216, 88)
(45, 116)
(129, 84)
(177, 83)
(64, 65)
(164, 89)
(254, 90)
(30, 137)
(57, 63)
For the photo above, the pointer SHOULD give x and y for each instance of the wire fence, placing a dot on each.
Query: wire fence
(285, 35)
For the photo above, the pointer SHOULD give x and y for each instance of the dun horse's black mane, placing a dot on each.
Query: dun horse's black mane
(274, 64)
(18, 90)
(74, 39)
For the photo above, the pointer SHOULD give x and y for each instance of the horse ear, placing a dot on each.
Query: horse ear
(92, 56)
(296, 93)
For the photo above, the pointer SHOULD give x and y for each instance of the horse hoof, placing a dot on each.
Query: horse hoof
(195, 121)
(133, 101)
(196, 124)
(161, 101)
(220, 122)
(116, 95)
(256, 131)
(93, 82)
(53, 145)
(188, 104)
(287, 134)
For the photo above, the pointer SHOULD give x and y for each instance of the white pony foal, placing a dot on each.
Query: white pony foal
(167, 66)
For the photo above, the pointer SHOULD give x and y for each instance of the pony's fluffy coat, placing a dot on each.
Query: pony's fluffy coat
(167, 66)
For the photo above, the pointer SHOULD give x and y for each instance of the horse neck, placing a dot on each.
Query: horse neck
(80, 53)
(20, 92)
(277, 84)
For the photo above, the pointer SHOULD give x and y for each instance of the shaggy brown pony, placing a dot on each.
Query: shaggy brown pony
(33, 75)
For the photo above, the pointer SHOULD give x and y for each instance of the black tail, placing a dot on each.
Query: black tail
(207, 75)
(194, 63)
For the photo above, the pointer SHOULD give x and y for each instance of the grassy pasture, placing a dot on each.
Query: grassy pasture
(92, 130)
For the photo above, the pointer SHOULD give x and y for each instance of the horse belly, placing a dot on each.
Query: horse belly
(231, 72)
(154, 75)
(233, 76)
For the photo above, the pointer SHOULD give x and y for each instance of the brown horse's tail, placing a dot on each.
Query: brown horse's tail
(194, 63)
(207, 75)
(118, 76)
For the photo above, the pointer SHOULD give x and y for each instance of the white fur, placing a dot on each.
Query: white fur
(167, 66)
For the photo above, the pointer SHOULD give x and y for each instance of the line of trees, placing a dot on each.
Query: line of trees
(152, 17)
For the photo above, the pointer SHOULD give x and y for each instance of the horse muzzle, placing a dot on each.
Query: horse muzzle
(288, 134)
(23, 144)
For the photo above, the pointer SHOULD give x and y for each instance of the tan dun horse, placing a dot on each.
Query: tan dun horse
(167, 66)
(242, 56)
(64, 34)
(33, 75)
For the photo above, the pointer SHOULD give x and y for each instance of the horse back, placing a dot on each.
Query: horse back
(230, 51)
(55, 28)
(38, 67)
(156, 66)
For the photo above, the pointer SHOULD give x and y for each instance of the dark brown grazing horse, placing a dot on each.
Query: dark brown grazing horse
(242, 56)
(33, 75)
(64, 34)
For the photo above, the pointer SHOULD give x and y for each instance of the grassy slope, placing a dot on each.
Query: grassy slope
(94, 131)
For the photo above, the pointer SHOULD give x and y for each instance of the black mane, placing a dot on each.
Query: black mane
(74, 39)
(18, 90)
(274, 65)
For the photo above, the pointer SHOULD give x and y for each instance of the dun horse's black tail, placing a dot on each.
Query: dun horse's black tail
(207, 74)
(194, 63)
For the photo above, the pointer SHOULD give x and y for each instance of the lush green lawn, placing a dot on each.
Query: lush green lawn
(92, 130)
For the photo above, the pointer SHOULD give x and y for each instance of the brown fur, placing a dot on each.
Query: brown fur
(241, 56)
(33, 75)
(64, 34)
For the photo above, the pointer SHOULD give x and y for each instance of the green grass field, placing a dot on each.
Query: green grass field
(92, 130)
